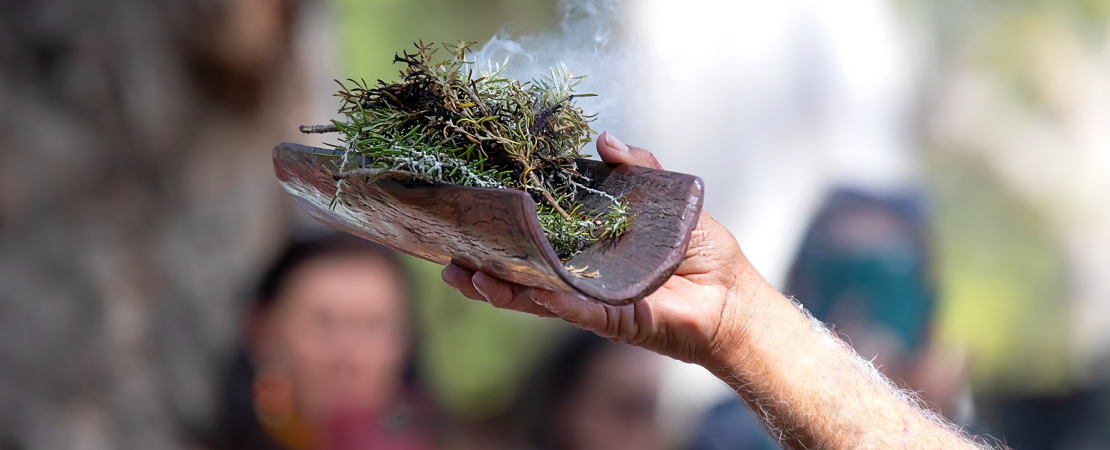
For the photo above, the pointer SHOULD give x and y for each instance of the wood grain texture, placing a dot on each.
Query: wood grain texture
(497, 231)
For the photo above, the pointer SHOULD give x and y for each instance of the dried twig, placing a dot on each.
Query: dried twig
(327, 128)
(547, 196)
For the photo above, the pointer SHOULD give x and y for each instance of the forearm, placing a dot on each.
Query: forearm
(812, 390)
(808, 386)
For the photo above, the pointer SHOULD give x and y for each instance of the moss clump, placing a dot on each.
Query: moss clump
(443, 122)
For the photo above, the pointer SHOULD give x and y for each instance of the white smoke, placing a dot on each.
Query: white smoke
(589, 41)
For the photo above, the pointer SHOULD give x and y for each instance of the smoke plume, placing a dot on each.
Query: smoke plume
(588, 39)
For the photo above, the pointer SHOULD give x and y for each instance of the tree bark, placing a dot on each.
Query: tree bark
(136, 198)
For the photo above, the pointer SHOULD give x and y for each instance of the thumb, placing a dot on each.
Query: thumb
(613, 151)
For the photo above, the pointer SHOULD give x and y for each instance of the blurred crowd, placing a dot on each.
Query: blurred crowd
(327, 361)
(930, 178)
(327, 355)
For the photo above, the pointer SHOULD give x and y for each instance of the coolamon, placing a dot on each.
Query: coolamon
(496, 230)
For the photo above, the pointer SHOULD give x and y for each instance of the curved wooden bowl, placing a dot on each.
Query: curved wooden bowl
(497, 231)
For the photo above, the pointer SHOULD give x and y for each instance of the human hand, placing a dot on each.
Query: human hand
(716, 311)
(688, 318)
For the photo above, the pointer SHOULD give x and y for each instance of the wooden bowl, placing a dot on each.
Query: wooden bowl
(497, 231)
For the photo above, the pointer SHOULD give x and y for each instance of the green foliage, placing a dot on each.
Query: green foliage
(575, 233)
(360, 46)
(1002, 282)
(442, 122)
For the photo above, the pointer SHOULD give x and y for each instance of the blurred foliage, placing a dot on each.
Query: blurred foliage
(1004, 36)
(369, 32)
(1003, 295)
(971, 16)
(1004, 283)
(1014, 47)
(471, 354)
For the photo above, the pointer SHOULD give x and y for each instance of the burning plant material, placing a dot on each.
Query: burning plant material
(443, 123)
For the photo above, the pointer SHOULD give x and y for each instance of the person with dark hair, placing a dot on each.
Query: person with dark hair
(865, 267)
(327, 357)
(592, 394)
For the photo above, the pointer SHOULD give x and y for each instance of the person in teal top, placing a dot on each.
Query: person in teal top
(865, 268)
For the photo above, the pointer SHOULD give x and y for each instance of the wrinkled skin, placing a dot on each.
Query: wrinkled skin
(716, 311)
(683, 319)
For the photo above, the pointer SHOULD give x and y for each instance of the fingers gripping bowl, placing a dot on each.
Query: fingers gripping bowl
(497, 230)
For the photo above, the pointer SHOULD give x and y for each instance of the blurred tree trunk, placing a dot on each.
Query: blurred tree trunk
(136, 198)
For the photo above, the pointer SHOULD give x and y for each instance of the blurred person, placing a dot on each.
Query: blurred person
(327, 362)
(1076, 420)
(811, 389)
(864, 268)
(593, 394)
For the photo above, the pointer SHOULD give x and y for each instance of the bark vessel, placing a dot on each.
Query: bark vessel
(497, 230)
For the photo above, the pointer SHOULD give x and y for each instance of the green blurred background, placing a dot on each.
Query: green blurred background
(472, 354)
(138, 202)
(1003, 277)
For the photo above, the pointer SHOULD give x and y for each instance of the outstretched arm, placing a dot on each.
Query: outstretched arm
(809, 388)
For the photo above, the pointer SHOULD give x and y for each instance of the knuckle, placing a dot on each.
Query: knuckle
(500, 300)
(612, 324)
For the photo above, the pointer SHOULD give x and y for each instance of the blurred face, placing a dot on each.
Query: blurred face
(614, 407)
(338, 332)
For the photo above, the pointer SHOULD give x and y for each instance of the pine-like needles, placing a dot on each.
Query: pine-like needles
(442, 122)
